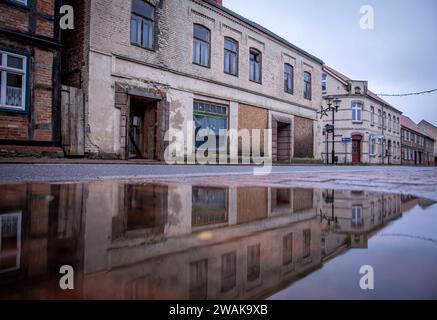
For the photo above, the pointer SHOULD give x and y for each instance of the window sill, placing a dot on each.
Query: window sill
(19, 5)
(141, 47)
(201, 65)
(230, 74)
(12, 110)
(357, 121)
(258, 82)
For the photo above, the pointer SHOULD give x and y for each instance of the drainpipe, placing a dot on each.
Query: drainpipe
(382, 133)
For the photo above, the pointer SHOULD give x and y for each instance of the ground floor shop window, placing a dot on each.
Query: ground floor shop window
(213, 117)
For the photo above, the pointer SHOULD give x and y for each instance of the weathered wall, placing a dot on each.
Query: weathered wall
(113, 58)
(303, 138)
(252, 118)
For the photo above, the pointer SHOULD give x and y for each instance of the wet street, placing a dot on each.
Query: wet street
(283, 236)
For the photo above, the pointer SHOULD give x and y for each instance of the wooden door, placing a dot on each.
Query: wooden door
(356, 150)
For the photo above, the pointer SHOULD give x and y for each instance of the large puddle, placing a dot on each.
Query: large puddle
(182, 241)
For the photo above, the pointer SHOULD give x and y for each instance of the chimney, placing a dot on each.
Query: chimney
(219, 2)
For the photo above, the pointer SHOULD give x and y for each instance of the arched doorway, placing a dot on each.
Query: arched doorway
(356, 148)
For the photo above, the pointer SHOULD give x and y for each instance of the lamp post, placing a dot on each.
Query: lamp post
(333, 105)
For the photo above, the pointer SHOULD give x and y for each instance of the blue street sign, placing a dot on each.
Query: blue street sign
(346, 139)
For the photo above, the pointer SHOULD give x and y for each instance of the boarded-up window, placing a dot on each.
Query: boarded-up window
(303, 138)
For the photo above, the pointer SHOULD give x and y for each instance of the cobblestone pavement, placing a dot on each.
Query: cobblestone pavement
(420, 181)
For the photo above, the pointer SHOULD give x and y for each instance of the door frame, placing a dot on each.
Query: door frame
(359, 138)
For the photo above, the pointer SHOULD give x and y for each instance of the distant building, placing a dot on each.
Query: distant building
(417, 146)
(30, 54)
(367, 128)
(431, 131)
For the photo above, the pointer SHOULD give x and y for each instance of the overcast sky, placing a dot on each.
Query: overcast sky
(398, 56)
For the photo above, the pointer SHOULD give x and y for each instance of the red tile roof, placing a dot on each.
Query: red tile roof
(410, 124)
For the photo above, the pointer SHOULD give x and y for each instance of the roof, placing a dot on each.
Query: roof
(345, 79)
(264, 30)
(410, 124)
(428, 123)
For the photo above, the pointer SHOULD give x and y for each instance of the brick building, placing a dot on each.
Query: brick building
(367, 128)
(417, 145)
(30, 79)
(136, 68)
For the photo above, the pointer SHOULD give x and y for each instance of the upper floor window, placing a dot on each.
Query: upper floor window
(372, 115)
(357, 111)
(142, 24)
(307, 85)
(357, 90)
(13, 81)
(389, 122)
(384, 120)
(357, 216)
(324, 82)
(231, 56)
(255, 65)
(201, 45)
(379, 118)
(288, 78)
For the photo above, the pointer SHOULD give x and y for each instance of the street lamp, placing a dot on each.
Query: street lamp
(333, 105)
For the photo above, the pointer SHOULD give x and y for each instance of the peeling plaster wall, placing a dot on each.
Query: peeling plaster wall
(113, 59)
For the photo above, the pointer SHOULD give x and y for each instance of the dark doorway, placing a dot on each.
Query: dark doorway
(356, 149)
(142, 128)
(283, 143)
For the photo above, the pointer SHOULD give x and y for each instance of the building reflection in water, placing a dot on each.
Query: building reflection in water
(150, 241)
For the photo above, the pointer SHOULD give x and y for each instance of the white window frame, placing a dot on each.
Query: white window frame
(357, 215)
(4, 70)
(12, 253)
(372, 115)
(324, 82)
(373, 147)
(358, 108)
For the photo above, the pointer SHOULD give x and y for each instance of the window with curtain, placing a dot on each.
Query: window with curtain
(372, 115)
(255, 65)
(357, 111)
(142, 24)
(288, 78)
(201, 45)
(13, 81)
(231, 56)
(307, 85)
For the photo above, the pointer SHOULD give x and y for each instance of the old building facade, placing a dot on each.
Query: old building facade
(30, 79)
(367, 128)
(417, 145)
(431, 132)
(144, 67)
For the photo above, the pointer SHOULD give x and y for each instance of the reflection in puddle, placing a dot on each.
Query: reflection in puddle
(149, 241)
